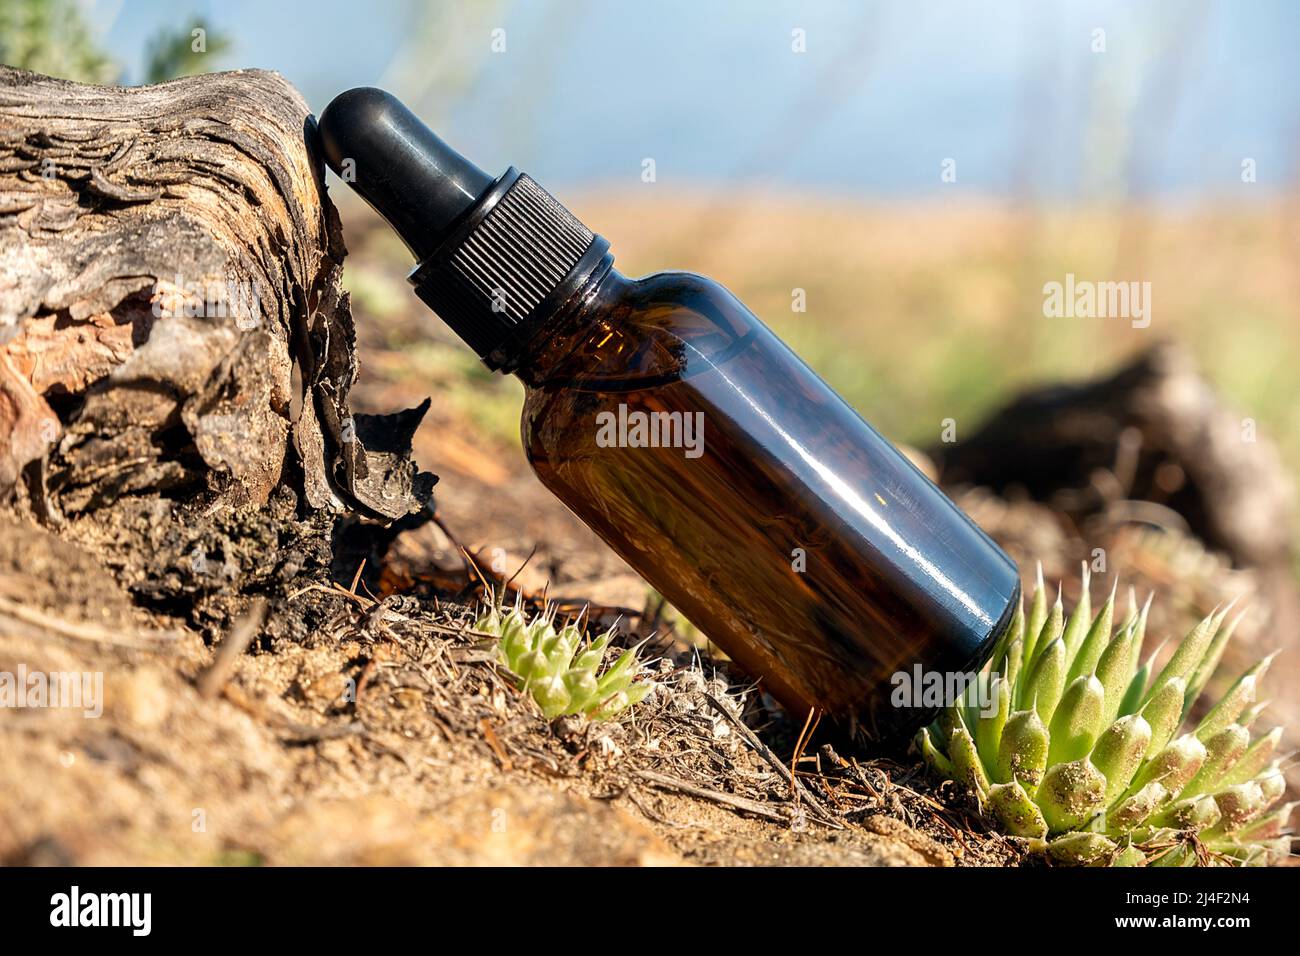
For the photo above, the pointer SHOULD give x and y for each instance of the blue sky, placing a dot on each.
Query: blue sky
(885, 92)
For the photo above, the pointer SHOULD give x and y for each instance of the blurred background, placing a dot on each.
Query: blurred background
(919, 170)
(888, 185)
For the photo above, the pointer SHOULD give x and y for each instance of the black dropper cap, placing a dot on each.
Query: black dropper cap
(495, 257)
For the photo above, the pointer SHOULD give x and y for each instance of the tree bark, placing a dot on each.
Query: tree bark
(171, 316)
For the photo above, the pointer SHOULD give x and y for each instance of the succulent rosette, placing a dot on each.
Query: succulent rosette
(1073, 739)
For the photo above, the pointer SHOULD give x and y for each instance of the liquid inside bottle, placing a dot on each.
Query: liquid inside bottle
(770, 514)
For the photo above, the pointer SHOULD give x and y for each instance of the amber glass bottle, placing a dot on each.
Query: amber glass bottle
(696, 444)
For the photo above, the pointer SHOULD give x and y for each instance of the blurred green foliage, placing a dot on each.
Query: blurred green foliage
(183, 51)
(53, 37)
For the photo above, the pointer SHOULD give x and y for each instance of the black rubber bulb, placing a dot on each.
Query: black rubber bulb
(400, 166)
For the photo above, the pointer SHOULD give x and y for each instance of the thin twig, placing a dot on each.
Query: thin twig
(232, 649)
(766, 753)
(664, 782)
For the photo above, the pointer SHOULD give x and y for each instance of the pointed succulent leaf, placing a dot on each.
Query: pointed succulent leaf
(1013, 666)
(515, 639)
(551, 696)
(489, 622)
(1131, 702)
(989, 724)
(1085, 661)
(1190, 651)
(1255, 759)
(1130, 856)
(1015, 631)
(1036, 618)
(1251, 713)
(1048, 638)
(1077, 721)
(639, 691)
(937, 761)
(581, 685)
(1131, 811)
(1076, 628)
(1018, 814)
(1046, 680)
(1119, 751)
(1238, 697)
(1221, 752)
(1238, 805)
(1139, 638)
(1081, 849)
(1164, 712)
(531, 666)
(611, 705)
(1113, 671)
(1174, 766)
(1270, 825)
(1189, 813)
(1271, 784)
(1070, 795)
(1022, 753)
(1209, 661)
(595, 653)
(973, 696)
(559, 647)
(966, 761)
(619, 674)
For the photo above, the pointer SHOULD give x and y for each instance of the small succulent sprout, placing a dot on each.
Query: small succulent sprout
(1087, 754)
(558, 671)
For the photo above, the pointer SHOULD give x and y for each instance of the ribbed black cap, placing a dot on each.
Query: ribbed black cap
(495, 257)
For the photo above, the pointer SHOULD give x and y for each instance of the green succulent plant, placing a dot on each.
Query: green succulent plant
(1070, 738)
(559, 667)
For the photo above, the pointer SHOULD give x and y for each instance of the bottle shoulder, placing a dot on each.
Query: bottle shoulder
(643, 332)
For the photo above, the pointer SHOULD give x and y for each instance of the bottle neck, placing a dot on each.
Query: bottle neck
(515, 259)
(573, 325)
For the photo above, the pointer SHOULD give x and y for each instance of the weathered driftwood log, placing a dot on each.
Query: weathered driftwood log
(171, 317)
(1156, 431)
